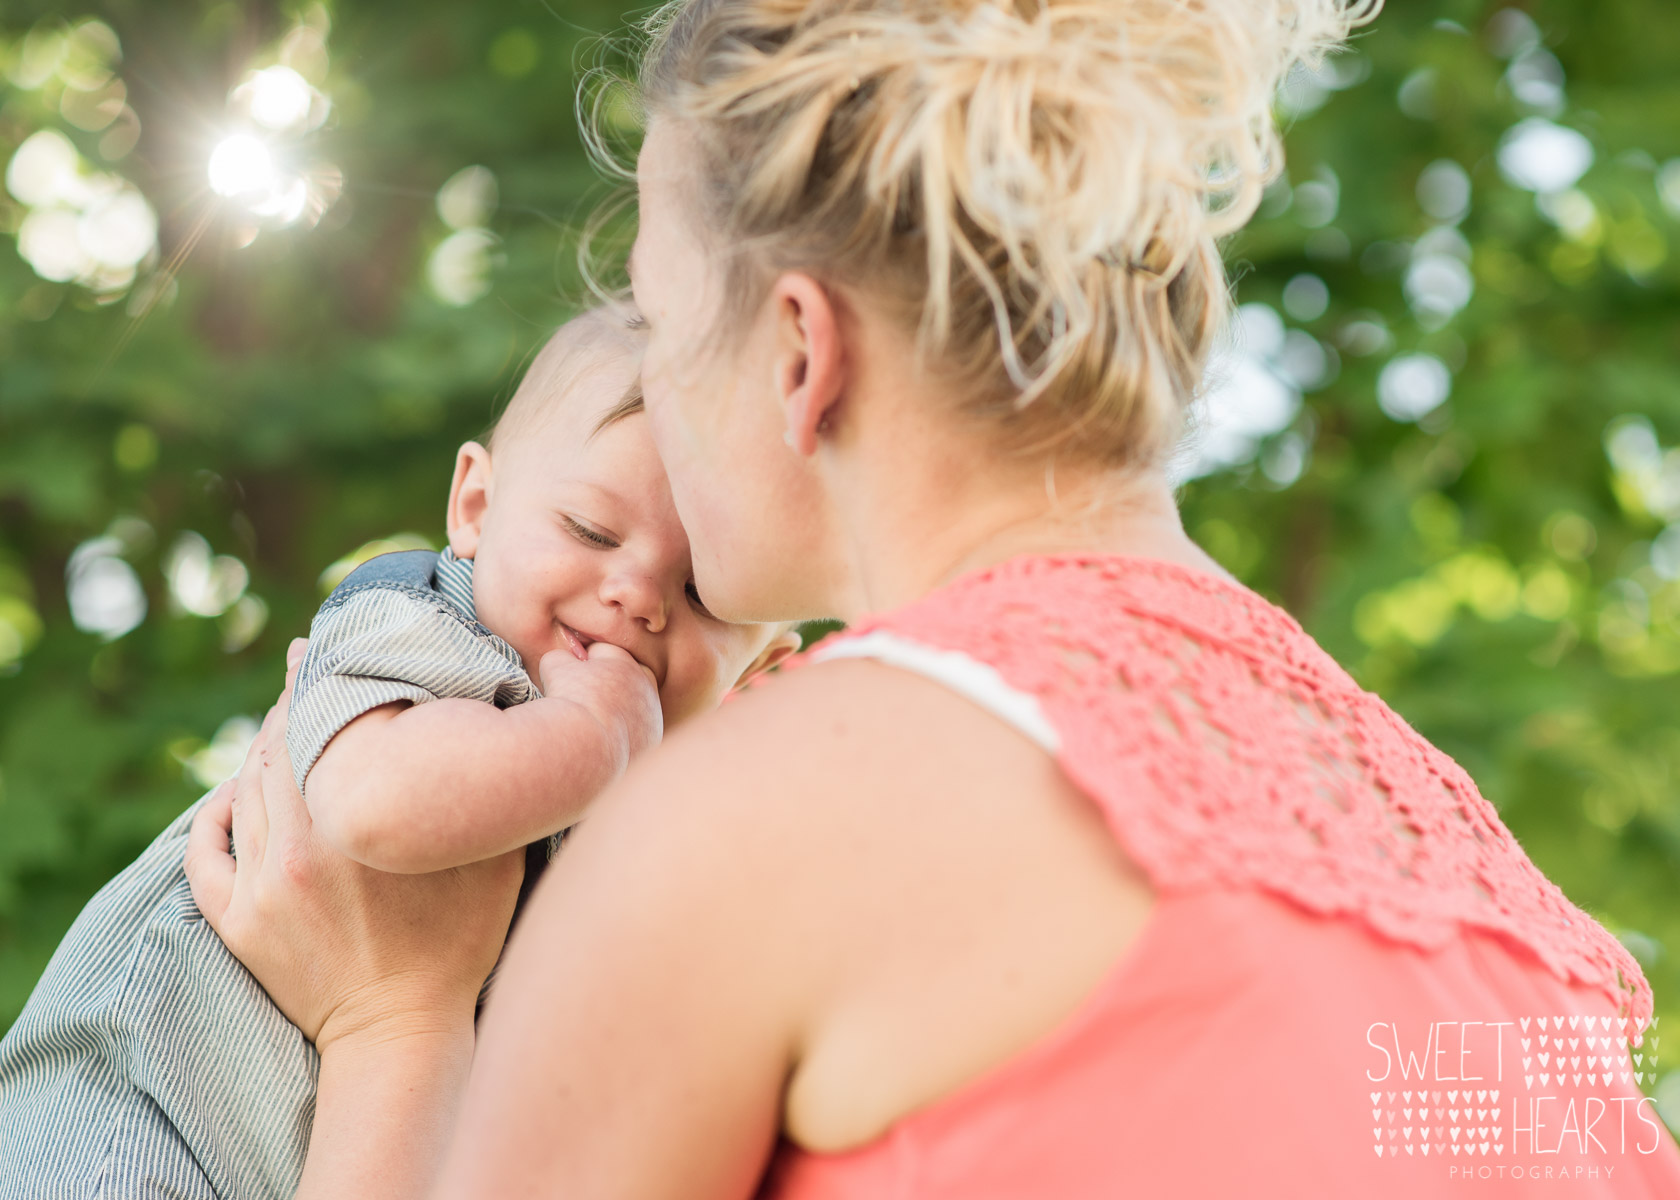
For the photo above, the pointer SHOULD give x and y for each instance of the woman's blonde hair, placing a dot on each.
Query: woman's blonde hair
(1039, 186)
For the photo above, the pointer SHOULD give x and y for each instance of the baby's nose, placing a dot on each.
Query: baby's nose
(638, 596)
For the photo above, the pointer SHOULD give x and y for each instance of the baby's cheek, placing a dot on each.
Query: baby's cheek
(488, 597)
(687, 693)
(498, 609)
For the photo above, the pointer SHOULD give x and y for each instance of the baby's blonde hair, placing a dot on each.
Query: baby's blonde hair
(588, 342)
(1038, 186)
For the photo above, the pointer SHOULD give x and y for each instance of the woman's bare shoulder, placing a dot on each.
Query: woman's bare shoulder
(856, 734)
(786, 789)
(818, 807)
(729, 894)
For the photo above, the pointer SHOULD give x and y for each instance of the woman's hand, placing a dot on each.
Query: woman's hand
(345, 951)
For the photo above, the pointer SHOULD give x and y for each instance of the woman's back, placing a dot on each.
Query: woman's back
(1346, 943)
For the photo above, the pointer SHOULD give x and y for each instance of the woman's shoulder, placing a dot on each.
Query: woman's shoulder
(877, 849)
(836, 725)
(791, 785)
(1225, 748)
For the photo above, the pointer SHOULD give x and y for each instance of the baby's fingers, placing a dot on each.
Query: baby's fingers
(209, 865)
(607, 652)
(553, 668)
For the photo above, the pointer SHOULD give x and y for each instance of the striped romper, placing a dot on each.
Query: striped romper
(148, 1062)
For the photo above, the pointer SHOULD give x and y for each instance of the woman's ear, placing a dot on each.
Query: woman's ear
(809, 363)
(469, 499)
(781, 646)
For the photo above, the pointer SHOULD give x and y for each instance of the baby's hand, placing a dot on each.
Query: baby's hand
(619, 691)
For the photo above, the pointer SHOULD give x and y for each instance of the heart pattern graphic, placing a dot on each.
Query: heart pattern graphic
(1616, 1054)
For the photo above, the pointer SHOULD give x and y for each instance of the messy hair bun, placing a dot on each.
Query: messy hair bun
(1039, 186)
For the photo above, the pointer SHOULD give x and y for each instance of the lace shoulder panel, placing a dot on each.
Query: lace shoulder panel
(1225, 748)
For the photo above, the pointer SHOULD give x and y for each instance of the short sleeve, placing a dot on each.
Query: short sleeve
(382, 644)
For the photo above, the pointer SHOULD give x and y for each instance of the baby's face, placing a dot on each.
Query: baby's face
(580, 540)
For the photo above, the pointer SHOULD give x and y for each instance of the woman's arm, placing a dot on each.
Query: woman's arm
(839, 898)
(384, 1109)
(649, 1010)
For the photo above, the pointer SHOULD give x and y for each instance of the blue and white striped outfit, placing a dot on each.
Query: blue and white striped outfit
(148, 1062)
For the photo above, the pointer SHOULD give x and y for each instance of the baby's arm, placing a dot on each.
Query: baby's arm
(413, 788)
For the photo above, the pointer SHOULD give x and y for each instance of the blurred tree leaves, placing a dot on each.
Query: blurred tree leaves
(1500, 567)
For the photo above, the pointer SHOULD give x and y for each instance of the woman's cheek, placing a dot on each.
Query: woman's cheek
(665, 409)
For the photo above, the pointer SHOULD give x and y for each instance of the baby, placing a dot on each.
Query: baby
(566, 583)
(450, 707)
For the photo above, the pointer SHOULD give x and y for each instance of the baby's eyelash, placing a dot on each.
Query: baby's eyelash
(589, 535)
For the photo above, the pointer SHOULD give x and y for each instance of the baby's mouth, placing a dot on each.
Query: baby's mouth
(577, 643)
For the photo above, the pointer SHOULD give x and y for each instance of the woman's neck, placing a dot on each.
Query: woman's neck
(917, 529)
(917, 495)
(1141, 523)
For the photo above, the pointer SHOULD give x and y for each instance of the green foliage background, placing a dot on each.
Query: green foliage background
(1488, 569)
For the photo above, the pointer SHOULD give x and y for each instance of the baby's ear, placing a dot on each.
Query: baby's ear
(469, 499)
(781, 646)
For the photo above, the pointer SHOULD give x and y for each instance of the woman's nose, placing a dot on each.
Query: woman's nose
(638, 595)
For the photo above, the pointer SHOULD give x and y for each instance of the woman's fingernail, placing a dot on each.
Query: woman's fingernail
(295, 652)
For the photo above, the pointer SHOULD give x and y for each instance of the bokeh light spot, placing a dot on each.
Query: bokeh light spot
(43, 170)
(48, 243)
(1539, 156)
(208, 765)
(1305, 297)
(280, 98)
(1416, 96)
(467, 197)
(459, 268)
(1412, 386)
(118, 231)
(1248, 395)
(104, 592)
(202, 583)
(1437, 287)
(1443, 190)
(1511, 32)
(1535, 78)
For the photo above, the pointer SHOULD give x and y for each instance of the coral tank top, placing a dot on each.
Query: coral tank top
(1353, 981)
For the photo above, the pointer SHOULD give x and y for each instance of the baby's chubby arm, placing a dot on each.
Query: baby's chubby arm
(412, 788)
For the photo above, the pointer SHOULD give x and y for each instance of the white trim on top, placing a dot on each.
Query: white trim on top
(957, 671)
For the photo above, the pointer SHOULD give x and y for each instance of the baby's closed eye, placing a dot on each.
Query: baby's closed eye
(588, 535)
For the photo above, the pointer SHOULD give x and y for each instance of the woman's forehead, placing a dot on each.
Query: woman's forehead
(665, 185)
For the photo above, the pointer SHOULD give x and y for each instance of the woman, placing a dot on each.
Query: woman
(1073, 852)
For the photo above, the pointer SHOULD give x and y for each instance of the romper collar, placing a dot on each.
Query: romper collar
(453, 578)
